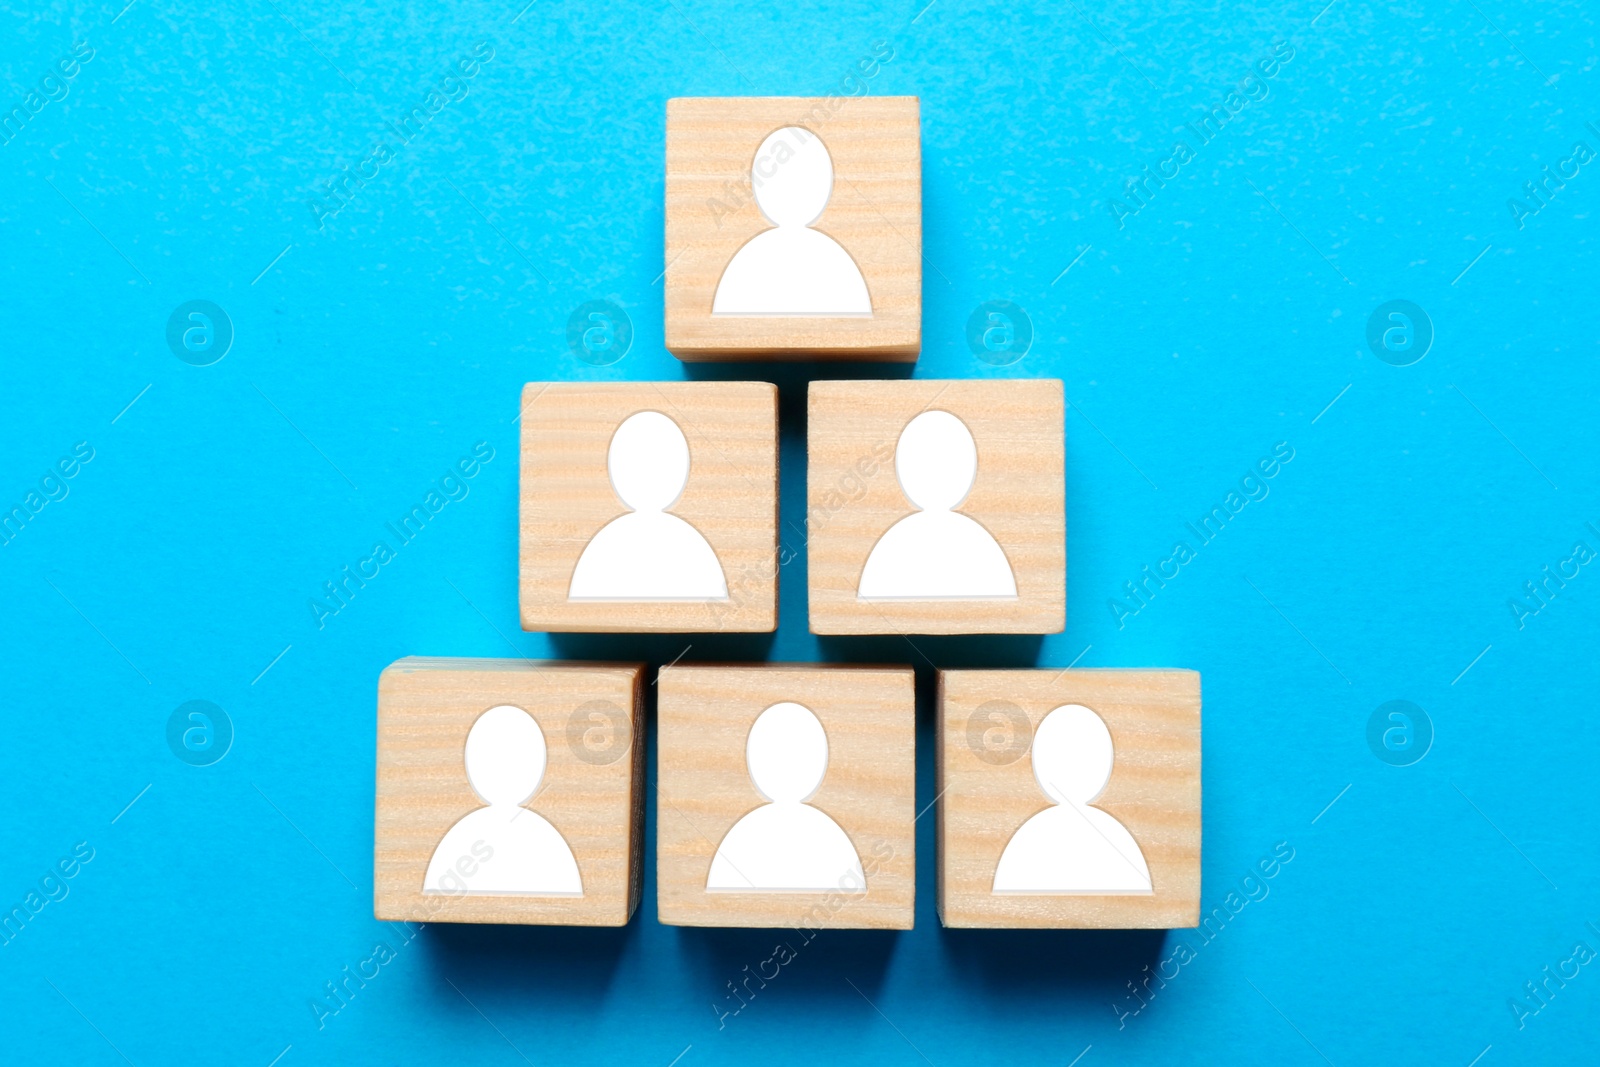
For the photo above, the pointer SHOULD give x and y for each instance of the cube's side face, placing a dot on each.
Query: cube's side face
(593, 736)
(854, 496)
(938, 794)
(874, 213)
(987, 721)
(636, 798)
(704, 787)
(730, 500)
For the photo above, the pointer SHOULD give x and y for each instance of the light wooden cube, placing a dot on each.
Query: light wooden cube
(705, 788)
(591, 792)
(874, 212)
(730, 500)
(988, 721)
(854, 496)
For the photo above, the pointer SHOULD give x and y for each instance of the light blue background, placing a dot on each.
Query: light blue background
(1223, 318)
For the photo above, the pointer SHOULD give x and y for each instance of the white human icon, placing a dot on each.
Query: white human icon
(792, 269)
(786, 845)
(936, 553)
(1071, 847)
(648, 553)
(504, 849)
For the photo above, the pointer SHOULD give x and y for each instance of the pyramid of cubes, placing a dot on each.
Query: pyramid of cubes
(512, 791)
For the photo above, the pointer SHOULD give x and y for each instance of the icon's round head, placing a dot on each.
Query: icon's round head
(505, 755)
(787, 753)
(936, 461)
(648, 461)
(792, 175)
(1072, 754)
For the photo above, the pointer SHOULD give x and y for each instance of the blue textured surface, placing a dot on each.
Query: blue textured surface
(1223, 317)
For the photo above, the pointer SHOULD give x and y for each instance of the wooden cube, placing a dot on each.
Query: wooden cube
(1071, 866)
(731, 854)
(452, 850)
(725, 154)
(594, 561)
(861, 519)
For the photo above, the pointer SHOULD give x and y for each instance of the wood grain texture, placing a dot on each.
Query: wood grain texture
(592, 791)
(875, 213)
(731, 499)
(853, 497)
(704, 716)
(987, 790)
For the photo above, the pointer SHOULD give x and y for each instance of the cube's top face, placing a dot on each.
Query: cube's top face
(936, 506)
(786, 796)
(794, 228)
(1069, 798)
(508, 791)
(649, 506)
